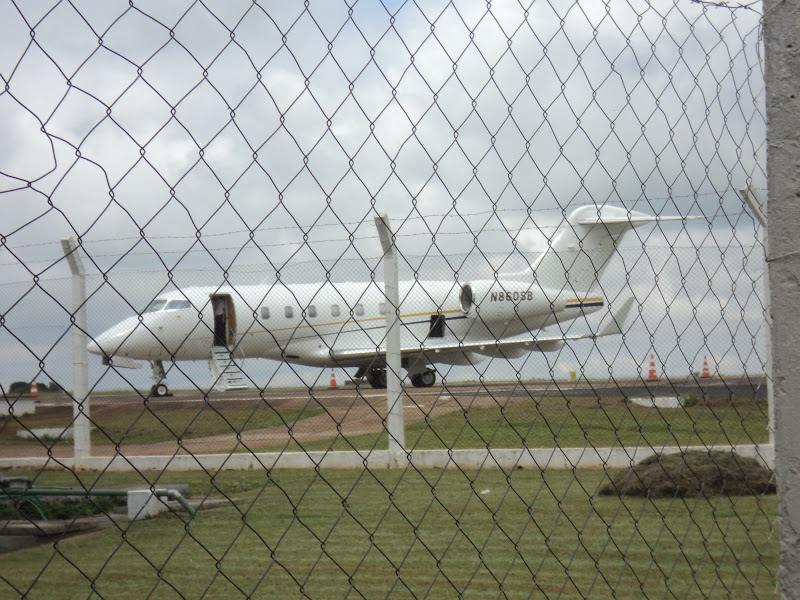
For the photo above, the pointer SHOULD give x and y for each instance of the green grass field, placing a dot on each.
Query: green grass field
(411, 534)
(534, 423)
(555, 422)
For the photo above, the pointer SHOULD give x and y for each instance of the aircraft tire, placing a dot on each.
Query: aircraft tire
(425, 379)
(160, 390)
(377, 378)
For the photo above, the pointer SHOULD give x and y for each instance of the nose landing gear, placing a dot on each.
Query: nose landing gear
(159, 388)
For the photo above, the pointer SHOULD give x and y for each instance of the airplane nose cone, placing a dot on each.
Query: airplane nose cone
(111, 342)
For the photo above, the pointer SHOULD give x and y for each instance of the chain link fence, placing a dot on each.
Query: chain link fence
(219, 167)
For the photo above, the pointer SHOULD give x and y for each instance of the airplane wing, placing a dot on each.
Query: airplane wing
(511, 348)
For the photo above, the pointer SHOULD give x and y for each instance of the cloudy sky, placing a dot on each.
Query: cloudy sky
(183, 141)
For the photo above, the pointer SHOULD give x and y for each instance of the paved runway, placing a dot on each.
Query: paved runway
(735, 387)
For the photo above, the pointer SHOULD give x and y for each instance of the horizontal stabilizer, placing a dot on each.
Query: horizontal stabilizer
(634, 219)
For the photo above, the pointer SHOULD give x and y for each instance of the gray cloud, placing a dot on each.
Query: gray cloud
(501, 121)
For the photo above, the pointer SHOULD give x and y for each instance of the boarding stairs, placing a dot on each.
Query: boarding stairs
(225, 373)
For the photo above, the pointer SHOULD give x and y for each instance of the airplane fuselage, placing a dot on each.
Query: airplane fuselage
(311, 323)
(344, 324)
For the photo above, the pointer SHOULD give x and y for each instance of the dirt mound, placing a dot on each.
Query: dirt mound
(692, 474)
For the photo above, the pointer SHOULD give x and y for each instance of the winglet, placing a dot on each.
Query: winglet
(617, 320)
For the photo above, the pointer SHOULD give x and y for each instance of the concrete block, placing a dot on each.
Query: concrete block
(143, 504)
(20, 406)
(47, 433)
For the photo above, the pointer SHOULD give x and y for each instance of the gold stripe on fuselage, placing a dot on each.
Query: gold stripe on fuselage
(573, 300)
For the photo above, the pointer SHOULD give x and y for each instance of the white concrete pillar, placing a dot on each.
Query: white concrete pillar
(782, 56)
(80, 353)
(394, 391)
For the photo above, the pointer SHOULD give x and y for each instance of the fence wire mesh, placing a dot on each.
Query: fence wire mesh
(220, 166)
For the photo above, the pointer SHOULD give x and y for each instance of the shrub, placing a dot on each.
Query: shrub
(19, 387)
(69, 509)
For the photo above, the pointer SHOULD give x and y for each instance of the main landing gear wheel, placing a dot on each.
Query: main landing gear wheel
(425, 379)
(159, 390)
(377, 378)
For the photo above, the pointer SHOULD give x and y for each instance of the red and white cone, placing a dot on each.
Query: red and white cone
(35, 392)
(652, 375)
(706, 373)
(333, 385)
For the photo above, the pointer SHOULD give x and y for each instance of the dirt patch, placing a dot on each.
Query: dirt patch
(691, 474)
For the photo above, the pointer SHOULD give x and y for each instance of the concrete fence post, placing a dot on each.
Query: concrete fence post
(80, 353)
(394, 392)
(782, 79)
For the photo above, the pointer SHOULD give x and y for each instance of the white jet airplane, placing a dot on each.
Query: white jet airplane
(343, 324)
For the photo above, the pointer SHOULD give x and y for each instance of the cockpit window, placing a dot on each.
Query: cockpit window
(155, 305)
(178, 304)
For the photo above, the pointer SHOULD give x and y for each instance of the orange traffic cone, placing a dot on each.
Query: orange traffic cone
(706, 373)
(652, 376)
(35, 392)
(333, 380)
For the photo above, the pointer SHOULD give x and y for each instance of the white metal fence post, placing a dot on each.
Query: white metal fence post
(782, 78)
(80, 354)
(394, 392)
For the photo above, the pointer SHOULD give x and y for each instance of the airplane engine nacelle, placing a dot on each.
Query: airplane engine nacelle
(458, 298)
(510, 297)
(507, 307)
(466, 299)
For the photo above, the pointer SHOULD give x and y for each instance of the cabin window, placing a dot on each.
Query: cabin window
(437, 326)
(335, 312)
(359, 310)
(265, 312)
(312, 311)
(155, 305)
(288, 312)
(178, 305)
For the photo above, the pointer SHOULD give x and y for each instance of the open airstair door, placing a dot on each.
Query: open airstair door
(225, 373)
(224, 320)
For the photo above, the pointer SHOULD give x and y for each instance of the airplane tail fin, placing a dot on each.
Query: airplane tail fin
(582, 247)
